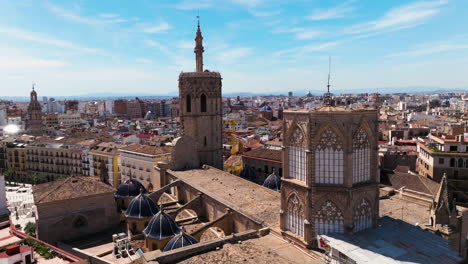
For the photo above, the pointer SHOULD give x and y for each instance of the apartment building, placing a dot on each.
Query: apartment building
(137, 162)
(104, 162)
(444, 154)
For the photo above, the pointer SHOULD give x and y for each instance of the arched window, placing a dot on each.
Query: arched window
(452, 162)
(295, 216)
(188, 102)
(297, 156)
(460, 163)
(329, 160)
(362, 216)
(361, 157)
(466, 163)
(204, 141)
(329, 219)
(203, 102)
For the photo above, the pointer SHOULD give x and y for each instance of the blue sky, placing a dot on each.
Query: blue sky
(82, 47)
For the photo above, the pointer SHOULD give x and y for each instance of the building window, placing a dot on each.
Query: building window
(329, 219)
(295, 216)
(453, 148)
(188, 102)
(297, 156)
(361, 157)
(362, 216)
(203, 102)
(460, 163)
(441, 160)
(329, 160)
(452, 162)
(266, 169)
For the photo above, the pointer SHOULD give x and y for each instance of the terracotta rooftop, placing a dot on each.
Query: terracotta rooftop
(251, 198)
(330, 109)
(145, 149)
(413, 182)
(69, 188)
(263, 153)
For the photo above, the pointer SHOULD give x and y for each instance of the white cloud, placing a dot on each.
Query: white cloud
(331, 13)
(156, 28)
(299, 32)
(248, 3)
(302, 50)
(185, 44)
(431, 48)
(143, 60)
(26, 62)
(78, 18)
(194, 5)
(233, 54)
(402, 17)
(257, 13)
(108, 15)
(43, 39)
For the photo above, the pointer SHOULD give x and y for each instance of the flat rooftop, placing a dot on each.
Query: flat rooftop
(394, 242)
(267, 249)
(248, 197)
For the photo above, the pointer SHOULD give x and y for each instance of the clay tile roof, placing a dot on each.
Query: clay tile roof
(413, 182)
(145, 149)
(69, 188)
(263, 153)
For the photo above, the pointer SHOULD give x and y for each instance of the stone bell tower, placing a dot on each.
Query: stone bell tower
(34, 120)
(330, 180)
(200, 110)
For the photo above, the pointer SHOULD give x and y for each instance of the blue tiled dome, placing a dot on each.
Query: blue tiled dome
(248, 173)
(273, 182)
(161, 226)
(141, 207)
(266, 108)
(129, 188)
(181, 240)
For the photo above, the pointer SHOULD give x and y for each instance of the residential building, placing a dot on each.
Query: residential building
(138, 161)
(104, 162)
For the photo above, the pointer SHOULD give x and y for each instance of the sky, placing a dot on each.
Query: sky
(82, 47)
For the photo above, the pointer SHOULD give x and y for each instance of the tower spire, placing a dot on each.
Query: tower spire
(327, 96)
(199, 48)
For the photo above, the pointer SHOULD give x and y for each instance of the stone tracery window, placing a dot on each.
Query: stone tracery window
(188, 103)
(297, 156)
(329, 219)
(362, 216)
(361, 157)
(329, 159)
(295, 216)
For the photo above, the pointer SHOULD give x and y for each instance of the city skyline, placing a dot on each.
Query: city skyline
(269, 45)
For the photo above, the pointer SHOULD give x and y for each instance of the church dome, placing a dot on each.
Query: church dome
(266, 108)
(248, 173)
(181, 240)
(161, 226)
(273, 182)
(129, 188)
(141, 207)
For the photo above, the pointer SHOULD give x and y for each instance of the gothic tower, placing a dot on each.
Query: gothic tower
(330, 181)
(34, 120)
(200, 110)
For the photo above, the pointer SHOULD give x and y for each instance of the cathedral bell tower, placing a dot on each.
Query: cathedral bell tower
(200, 107)
(34, 120)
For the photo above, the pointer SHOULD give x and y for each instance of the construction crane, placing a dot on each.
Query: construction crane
(235, 147)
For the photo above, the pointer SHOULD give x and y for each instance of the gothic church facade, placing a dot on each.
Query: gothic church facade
(330, 183)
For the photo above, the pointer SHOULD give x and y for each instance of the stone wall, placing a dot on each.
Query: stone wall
(69, 219)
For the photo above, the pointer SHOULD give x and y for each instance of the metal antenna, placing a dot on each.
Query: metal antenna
(198, 17)
(329, 72)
